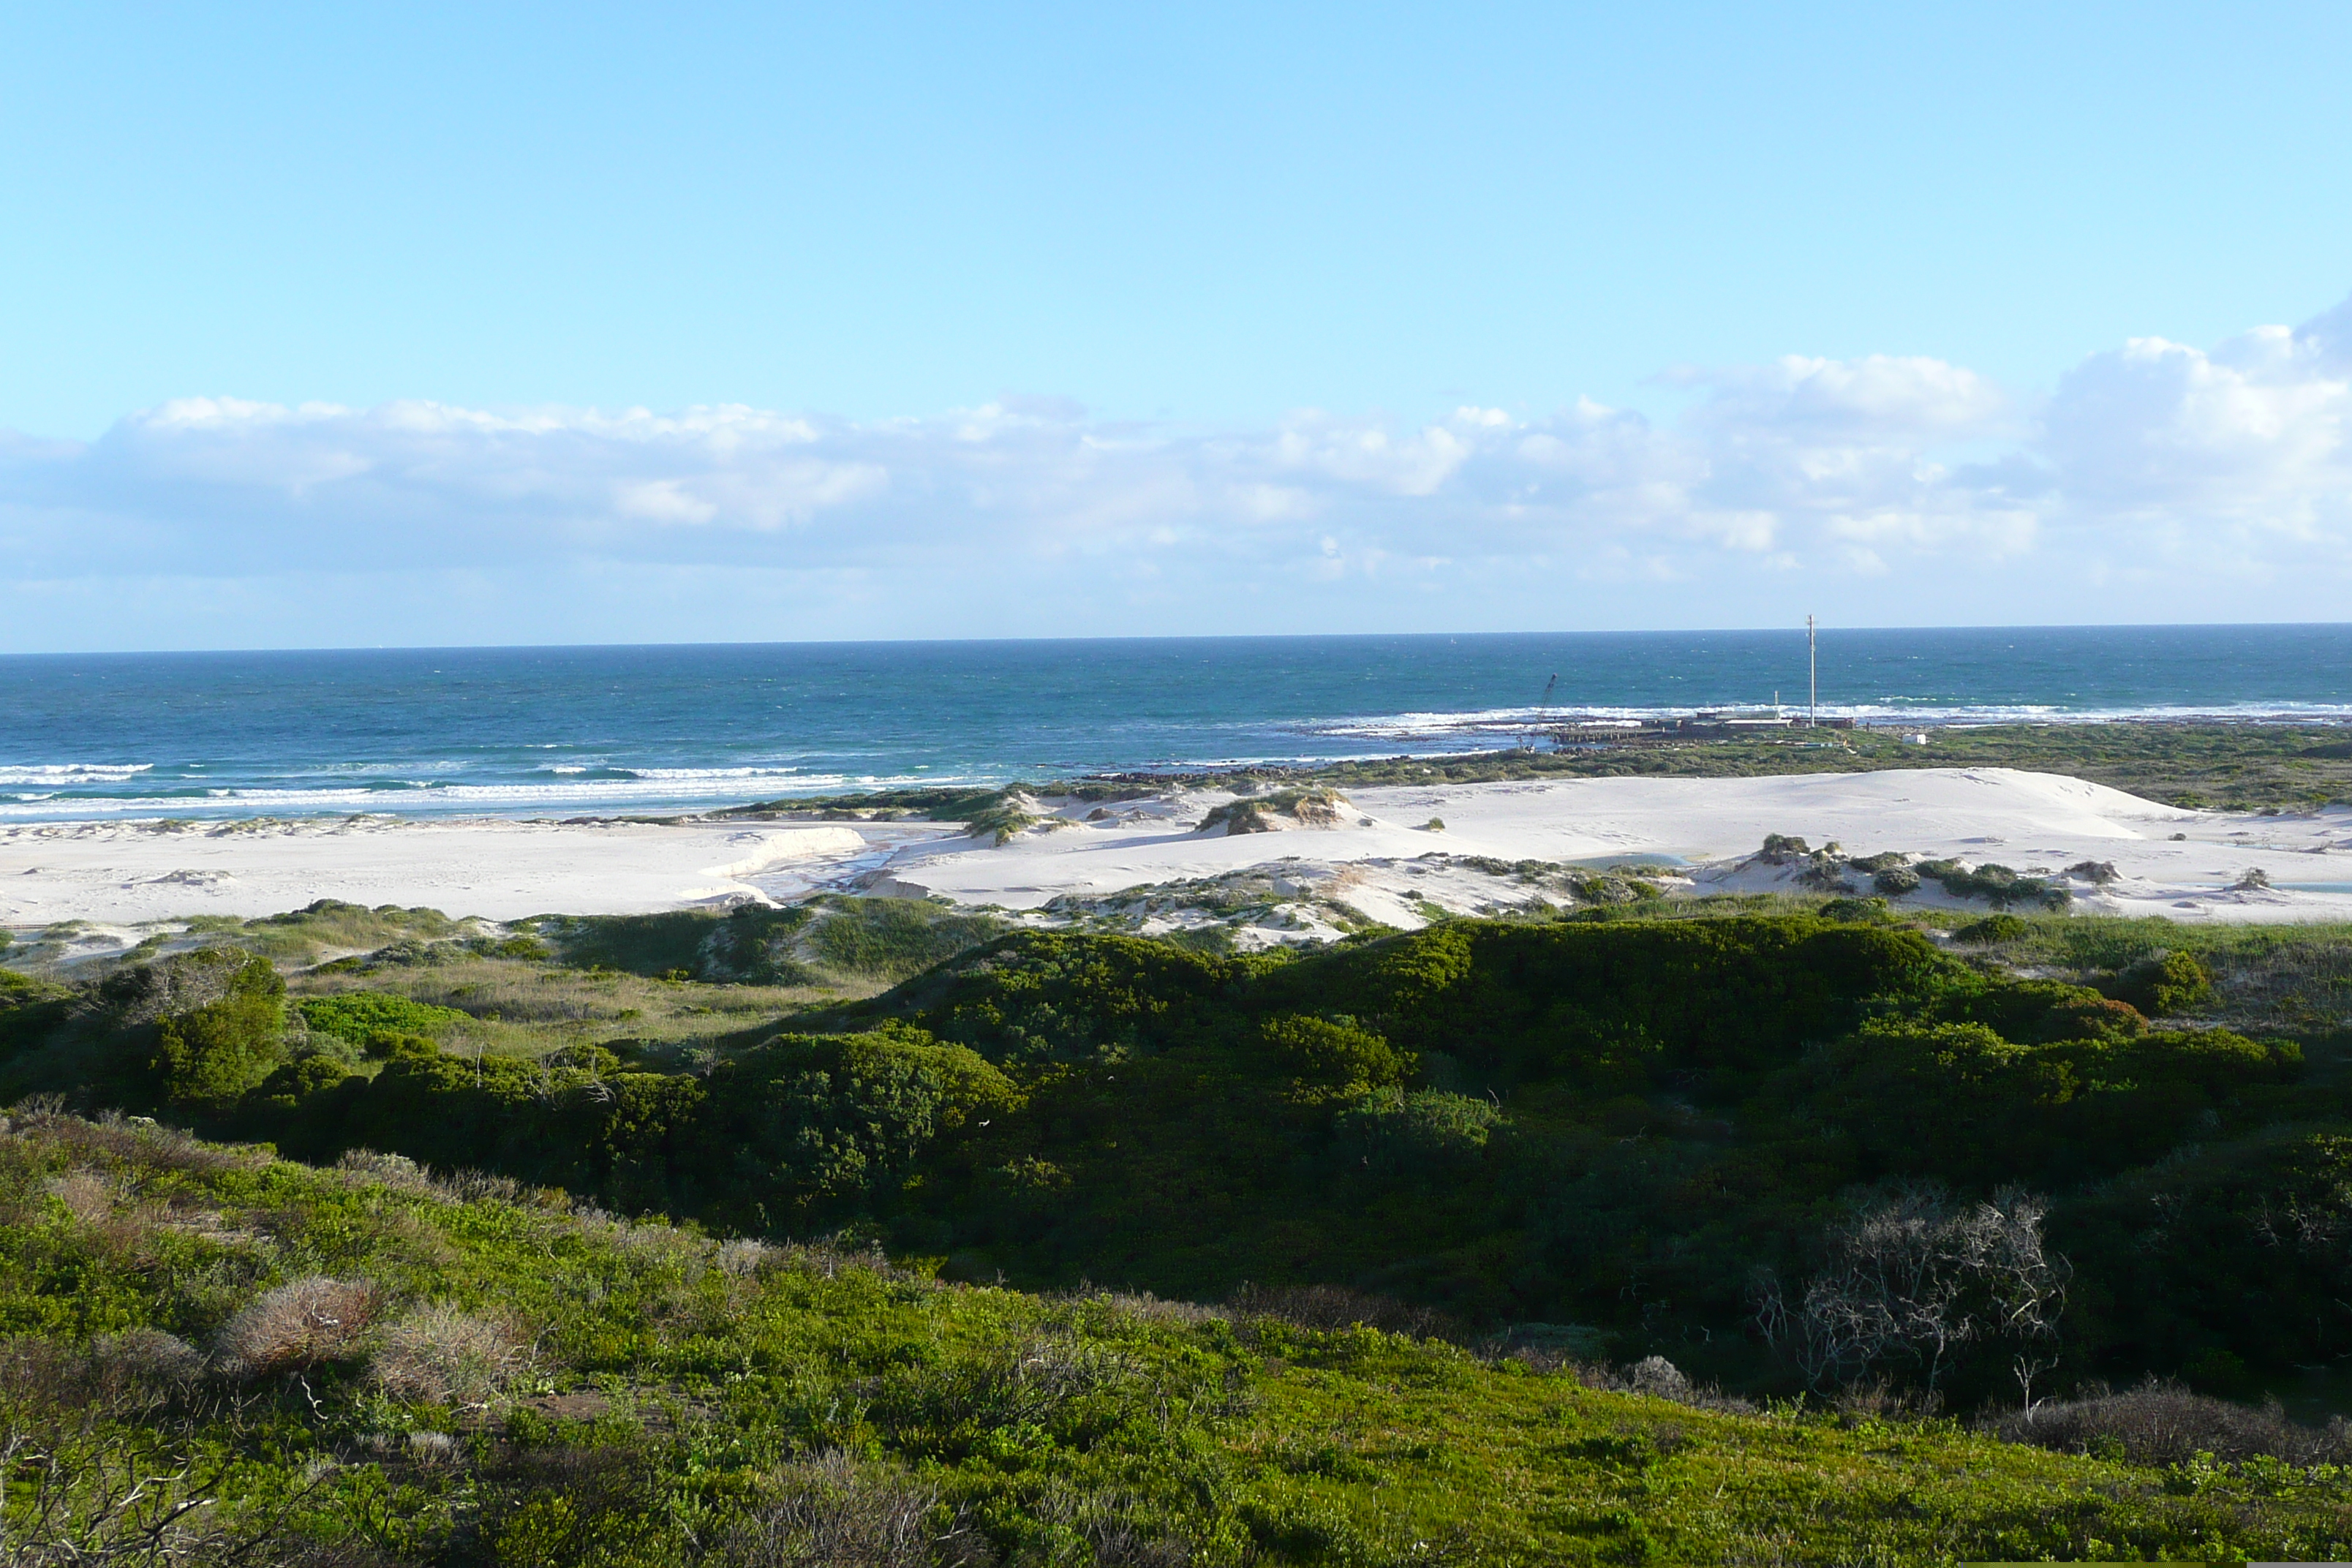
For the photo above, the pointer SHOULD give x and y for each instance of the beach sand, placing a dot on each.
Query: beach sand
(128, 872)
(1382, 860)
(1372, 858)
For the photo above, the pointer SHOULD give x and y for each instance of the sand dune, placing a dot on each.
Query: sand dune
(1373, 852)
(2030, 822)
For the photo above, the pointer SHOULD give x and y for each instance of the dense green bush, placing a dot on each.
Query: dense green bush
(2164, 982)
(208, 1055)
(821, 1127)
(1991, 929)
(1332, 1056)
(1427, 1133)
(1960, 1102)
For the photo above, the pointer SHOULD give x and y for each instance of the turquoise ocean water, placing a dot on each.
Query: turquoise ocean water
(579, 730)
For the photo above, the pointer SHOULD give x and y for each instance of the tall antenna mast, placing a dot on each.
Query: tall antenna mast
(1813, 680)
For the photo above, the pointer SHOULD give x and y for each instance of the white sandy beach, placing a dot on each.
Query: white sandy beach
(128, 872)
(1375, 856)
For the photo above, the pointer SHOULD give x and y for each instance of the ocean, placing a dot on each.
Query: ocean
(572, 730)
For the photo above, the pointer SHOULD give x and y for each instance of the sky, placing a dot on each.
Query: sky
(436, 324)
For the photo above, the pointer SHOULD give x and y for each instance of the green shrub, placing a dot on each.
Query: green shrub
(207, 1055)
(1958, 1101)
(391, 1046)
(1323, 1054)
(1427, 1131)
(810, 1127)
(2164, 982)
(1991, 929)
(354, 1015)
(1996, 884)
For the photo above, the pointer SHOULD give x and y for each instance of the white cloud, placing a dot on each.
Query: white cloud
(2152, 473)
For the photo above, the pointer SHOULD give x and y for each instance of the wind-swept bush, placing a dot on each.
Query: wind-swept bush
(823, 1125)
(1996, 884)
(1960, 1100)
(1991, 930)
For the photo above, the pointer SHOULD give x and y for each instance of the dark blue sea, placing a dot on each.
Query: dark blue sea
(569, 730)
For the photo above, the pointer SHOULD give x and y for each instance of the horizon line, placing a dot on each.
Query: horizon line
(1793, 629)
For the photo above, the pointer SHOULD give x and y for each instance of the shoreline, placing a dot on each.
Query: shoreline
(2152, 753)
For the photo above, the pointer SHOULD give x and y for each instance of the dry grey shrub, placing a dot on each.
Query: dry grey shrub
(1106, 1523)
(648, 1243)
(439, 1355)
(1657, 1378)
(1145, 1307)
(88, 1195)
(298, 1325)
(133, 1373)
(742, 1257)
(1915, 1279)
(1016, 1382)
(1878, 1399)
(427, 1448)
(139, 1141)
(833, 1512)
(395, 1171)
(145, 1359)
(475, 1187)
(1337, 1307)
(2165, 1424)
(431, 1448)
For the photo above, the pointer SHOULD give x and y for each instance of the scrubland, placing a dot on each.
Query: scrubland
(1766, 1229)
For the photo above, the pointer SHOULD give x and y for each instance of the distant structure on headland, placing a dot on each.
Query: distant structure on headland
(1707, 724)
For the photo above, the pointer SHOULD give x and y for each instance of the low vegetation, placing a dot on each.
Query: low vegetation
(234, 1358)
(1526, 1237)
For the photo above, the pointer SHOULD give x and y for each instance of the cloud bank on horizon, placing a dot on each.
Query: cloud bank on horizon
(2155, 482)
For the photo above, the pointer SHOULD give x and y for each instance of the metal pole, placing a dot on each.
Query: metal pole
(1813, 680)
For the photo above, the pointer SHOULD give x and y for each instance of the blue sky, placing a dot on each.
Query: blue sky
(1211, 317)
